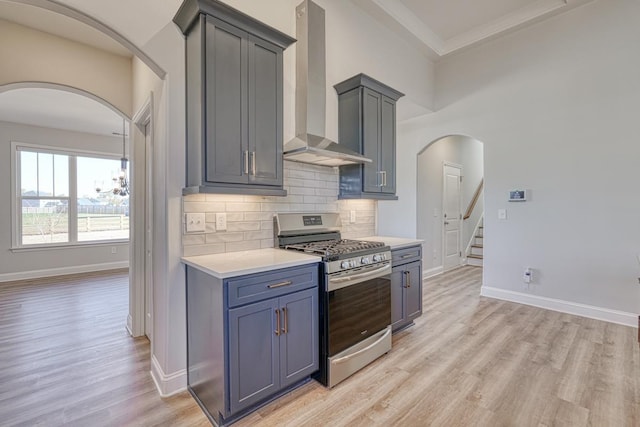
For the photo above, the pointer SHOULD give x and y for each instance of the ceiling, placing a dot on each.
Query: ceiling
(442, 27)
(436, 27)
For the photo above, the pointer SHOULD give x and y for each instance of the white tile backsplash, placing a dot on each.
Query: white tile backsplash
(310, 188)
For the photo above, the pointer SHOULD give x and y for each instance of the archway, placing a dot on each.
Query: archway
(135, 322)
(465, 154)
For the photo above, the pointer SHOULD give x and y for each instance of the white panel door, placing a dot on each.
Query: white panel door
(452, 217)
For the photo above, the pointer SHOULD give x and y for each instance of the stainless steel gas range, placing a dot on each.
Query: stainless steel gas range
(355, 294)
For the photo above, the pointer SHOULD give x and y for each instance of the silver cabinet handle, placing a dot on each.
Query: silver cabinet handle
(279, 285)
(277, 331)
(408, 279)
(406, 256)
(380, 179)
(245, 154)
(253, 163)
(384, 178)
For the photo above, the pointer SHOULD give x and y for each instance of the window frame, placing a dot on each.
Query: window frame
(72, 204)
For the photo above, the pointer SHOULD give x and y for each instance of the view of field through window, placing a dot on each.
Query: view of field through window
(51, 215)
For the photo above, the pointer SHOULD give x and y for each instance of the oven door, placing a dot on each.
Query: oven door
(359, 306)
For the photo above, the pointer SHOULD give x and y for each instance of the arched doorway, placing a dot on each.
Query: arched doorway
(449, 175)
(89, 30)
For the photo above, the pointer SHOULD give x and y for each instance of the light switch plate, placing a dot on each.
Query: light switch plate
(221, 221)
(502, 214)
(352, 216)
(194, 222)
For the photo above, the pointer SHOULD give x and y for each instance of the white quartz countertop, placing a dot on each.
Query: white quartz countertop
(393, 242)
(232, 264)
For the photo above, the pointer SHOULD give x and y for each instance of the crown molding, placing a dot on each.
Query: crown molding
(395, 14)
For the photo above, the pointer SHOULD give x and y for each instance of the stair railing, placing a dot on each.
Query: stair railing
(474, 200)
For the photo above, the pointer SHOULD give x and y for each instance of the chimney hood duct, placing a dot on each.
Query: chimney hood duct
(310, 145)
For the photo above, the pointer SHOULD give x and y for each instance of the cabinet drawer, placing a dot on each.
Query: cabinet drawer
(256, 287)
(403, 256)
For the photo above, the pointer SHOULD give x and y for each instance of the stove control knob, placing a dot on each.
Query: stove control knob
(365, 260)
(345, 264)
(377, 258)
(353, 263)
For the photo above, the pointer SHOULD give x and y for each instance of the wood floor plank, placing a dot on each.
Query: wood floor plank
(66, 359)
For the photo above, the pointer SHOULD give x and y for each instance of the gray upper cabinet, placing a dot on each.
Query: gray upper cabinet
(234, 100)
(367, 124)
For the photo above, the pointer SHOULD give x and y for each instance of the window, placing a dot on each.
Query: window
(57, 201)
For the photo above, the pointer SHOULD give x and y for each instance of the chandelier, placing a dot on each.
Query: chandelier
(120, 182)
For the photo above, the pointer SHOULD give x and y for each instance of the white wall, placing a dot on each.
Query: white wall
(27, 264)
(556, 106)
(461, 150)
(33, 56)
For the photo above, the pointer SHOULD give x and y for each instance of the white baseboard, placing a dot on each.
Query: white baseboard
(168, 385)
(590, 311)
(432, 272)
(61, 271)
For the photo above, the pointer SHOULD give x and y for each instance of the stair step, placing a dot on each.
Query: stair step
(477, 245)
(474, 256)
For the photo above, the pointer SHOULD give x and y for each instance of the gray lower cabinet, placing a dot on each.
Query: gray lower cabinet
(272, 345)
(367, 124)
(406, 286)
(250, 338)
(234, 100)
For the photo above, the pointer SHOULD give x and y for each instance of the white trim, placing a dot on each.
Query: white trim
(432, 272)
(167, 385)
(60, 271)
(138, 227)
(584, 310)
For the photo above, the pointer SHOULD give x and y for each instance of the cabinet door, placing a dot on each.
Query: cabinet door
(253, 353)
(226, 103)
(388, 145)
(413, 290)
(397, 297)
(299, 338)
(265, 112)
(371, 102)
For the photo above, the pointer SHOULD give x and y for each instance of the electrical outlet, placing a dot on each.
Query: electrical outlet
(221, 221)
(352, 216)
(528, 275)
(114, 250)
(502, 214)
(195, 222)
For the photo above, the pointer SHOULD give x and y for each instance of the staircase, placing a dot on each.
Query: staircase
(475, 256)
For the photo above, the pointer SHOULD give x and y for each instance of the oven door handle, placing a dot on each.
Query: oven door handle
(341, 282)
(364, 350)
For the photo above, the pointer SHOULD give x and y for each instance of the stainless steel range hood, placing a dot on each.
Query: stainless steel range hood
(310, 145)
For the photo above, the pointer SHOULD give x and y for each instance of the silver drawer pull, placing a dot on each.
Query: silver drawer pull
(279, 285)
(406, 256)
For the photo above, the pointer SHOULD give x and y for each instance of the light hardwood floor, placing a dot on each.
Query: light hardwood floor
(65, 357)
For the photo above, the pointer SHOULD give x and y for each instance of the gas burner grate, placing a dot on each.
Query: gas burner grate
(329, 248)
